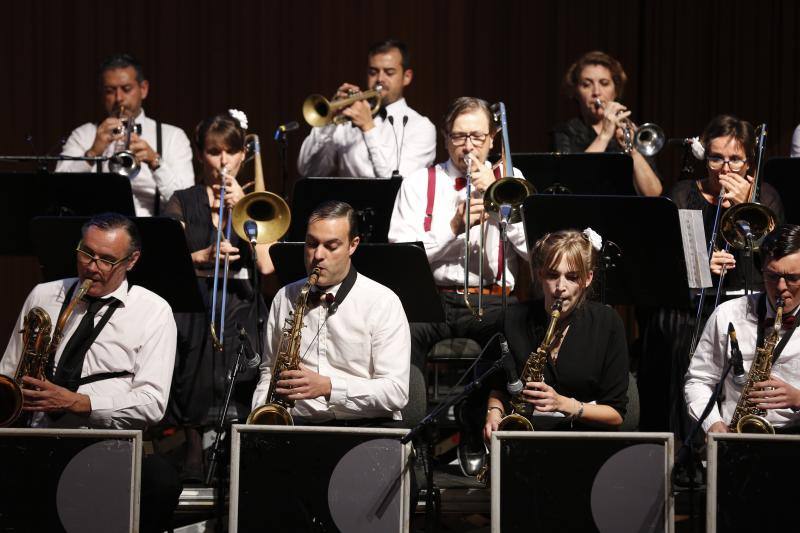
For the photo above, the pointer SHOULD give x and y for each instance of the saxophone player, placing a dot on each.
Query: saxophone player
(355, 344)
(585, 377)
(751, 315)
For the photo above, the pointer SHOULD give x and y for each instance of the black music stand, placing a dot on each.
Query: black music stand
(651, 269)
(600, 174)
(165, 266)
(30, 194)
(402, 267)
(372, 199)
(783, 173)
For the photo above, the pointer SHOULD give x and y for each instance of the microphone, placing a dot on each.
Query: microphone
(396, 171)
(253, 359)
(743, 227)
(283, 129)
(736, 357)
(513, 384)
(251, 229)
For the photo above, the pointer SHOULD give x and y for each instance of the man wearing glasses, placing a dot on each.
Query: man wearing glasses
(750, 316)
(113, 368)
(431, 207)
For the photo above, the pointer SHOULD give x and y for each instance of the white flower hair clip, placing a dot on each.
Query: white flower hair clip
(239, 116)
(698, 150)
(594, 238)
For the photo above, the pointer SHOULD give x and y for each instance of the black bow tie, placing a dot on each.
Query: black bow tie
(317, 297)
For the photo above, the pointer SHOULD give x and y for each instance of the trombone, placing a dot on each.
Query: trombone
(318, 111)
(648, 140)
(123, 162)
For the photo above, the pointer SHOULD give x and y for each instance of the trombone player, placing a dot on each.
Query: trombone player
(750, 315)
(398, 140)
(161, 151)
(431, 207)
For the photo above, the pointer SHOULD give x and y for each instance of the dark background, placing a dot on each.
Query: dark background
(686, 62)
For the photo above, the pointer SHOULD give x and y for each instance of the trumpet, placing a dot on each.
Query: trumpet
(648, 140)
(318, 111)
(123, 162)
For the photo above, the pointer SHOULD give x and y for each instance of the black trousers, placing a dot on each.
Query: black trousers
(160, 489)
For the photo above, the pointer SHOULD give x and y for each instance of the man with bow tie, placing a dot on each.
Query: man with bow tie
(398, 140)
(751, 316)
(431, 207)
(354, 344)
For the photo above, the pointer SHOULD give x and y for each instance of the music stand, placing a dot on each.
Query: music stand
(402, 267)
(372, 199)
(165, 266)
(30, 194)
(599, 174)
(651, 269)
(783, 173)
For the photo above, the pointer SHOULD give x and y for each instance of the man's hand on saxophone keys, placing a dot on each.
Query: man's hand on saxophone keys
(775, 394)
(303, 384)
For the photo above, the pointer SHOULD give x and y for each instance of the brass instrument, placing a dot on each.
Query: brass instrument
(275, 411)
(648, 140)
(38, 350)
(269, 211)
(318, 111)
(747, 418)
(123, 162)
(503, 197)
(744, 226)
(519, 419)
(218, 340)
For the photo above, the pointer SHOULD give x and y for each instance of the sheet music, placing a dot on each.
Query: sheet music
(694, 248)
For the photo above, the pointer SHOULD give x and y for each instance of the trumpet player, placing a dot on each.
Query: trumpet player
(162, 151)
(396, 141)
(431, 207)
(751, 316)
(596, 81)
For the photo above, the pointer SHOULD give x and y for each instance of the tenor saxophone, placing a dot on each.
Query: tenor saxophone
(275, 412)
(519, 419)
(38, 350)
(748, 418)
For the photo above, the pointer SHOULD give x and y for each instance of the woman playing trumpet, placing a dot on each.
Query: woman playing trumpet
(586, 374)
(595, 82)
(200, 377)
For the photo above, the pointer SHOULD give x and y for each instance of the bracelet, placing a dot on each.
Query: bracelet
(502, 413)
(576, 416)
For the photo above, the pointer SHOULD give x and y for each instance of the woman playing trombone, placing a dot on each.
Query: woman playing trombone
(595, 82)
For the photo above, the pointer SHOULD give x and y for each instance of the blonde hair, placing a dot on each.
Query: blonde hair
(571, 245)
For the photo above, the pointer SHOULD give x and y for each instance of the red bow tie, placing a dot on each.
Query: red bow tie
(460, 183)
(317, 297)
(786, 323)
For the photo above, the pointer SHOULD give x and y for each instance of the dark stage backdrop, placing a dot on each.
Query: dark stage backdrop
(686, 61)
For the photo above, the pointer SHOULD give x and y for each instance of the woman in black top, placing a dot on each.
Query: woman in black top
(598, 76)
(200, 377)
(586, 375)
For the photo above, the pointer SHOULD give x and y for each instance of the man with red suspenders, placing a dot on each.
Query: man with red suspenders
(430, 207)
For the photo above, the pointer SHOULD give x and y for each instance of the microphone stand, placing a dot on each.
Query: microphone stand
(257, 296)
(423, 429)
(687, 452)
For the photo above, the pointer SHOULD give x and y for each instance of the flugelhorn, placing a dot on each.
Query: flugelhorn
(318, 111)
(648, 139)
(124, 162)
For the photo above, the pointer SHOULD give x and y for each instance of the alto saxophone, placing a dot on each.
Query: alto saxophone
(519, 419)
(275, 412)
(748, 418)
(38, 350)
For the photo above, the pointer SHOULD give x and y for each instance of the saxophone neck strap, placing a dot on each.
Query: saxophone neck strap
(344, 290)
(761, 310)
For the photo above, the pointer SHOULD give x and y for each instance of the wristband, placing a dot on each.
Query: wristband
(502, 413)
(576, 416)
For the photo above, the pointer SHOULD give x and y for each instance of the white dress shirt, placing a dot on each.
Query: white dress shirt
(445, 250)
(364, 348)
(346, 151)
(796, 143)
(140, 338)
(713, 351)
(174, 174)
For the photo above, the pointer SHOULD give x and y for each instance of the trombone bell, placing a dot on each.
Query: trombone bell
(508, 191)
(268, 210)
(759, 217)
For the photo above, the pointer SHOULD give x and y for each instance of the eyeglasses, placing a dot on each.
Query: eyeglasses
(716, 163)
(460, 139)
(103, 265)
(774, 277)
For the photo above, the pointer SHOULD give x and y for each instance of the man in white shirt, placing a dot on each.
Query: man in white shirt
(162, 151)
(114, 367)
(750, 316)
(430, 207)
(396, 142)
(355, 342)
